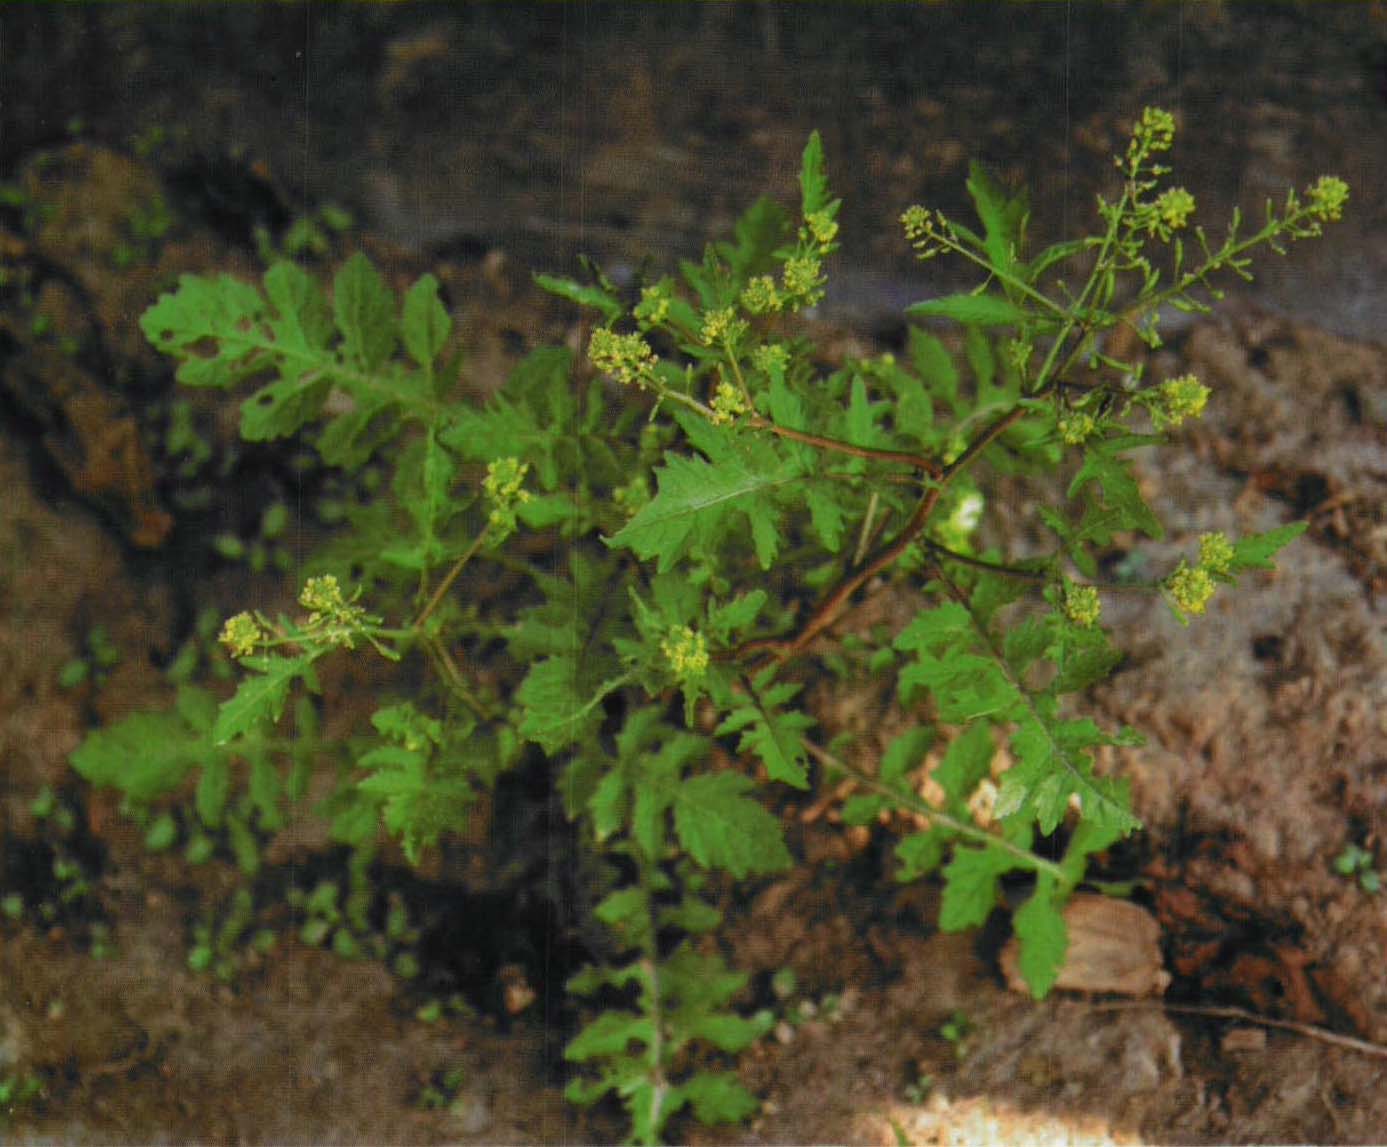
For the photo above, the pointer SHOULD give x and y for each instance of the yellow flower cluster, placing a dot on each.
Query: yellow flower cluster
(927, 231)
(822, 226)
(322, 597)
(329, 612)
(1216, 554)
(771, 359)
(1076, 428)
(503, 486)
(1082, 605)
(654, 305)
(1154, 132)
(1192, 587)
(728, 403)
(686, 652)
(627, 358)
(1173, 208)
(760, 296)
(721, 327)
(241, 634)
(1327, 196)
(803, 276)
(1177, 399)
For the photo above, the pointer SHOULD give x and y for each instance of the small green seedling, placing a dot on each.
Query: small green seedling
(957, 1031)
(99, 656)
(918, 1091)
(18, 1092)
(1357, 862)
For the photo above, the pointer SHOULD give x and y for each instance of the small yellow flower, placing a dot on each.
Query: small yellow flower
(1173, 208)
(803, 278)
(721, 326)
(1191, 589)
(1082, 605)
(653, 308)
(771, 359)
(728, 403)
(330, 614)
(822, 226)
(1216, 554)
(503, 484)
(627, 358)
(918, 222)
(1155, 131)
(1327, 196)
(241, 634)
(760, 296)
(686, 652)
(928, 231)
(322, 595)
(504, 478)
(1177, 399)
(1077, 428)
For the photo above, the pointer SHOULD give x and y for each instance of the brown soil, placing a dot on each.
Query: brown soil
(487, 142)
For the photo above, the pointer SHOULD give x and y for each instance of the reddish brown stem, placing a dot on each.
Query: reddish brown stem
(835, 446)
(828, 610)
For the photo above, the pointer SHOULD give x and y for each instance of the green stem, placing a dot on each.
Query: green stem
(447, 583)
(918, 804)
(1058, 752)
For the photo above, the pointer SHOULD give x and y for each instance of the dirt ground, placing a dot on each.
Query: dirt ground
(488, 141)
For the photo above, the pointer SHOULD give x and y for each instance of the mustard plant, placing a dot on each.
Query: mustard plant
(683, 521)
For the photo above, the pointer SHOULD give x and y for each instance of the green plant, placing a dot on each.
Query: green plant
(689, 552)
(918, 1091)
(17, 1092)
(1357, 862)
(265, 550)
(100, 656)
(957, 1031)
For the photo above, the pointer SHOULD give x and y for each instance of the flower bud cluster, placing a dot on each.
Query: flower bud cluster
(929, 232)
(503, 484)
(1153, 133)
(1076, 427)
(1082, 605)
(1191, 587)
(654, 307)
(1327, 196)
(728, 404)
(687, 653)
(241, 634)
(1175, 400)
(331, 616)
(627, 358)
(761, 296)
(722, 327)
